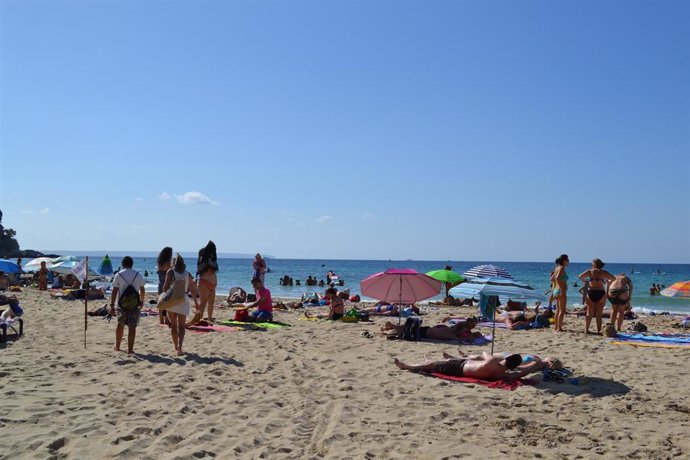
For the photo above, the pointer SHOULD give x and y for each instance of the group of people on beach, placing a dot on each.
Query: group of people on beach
(599, 285)
(174, 285)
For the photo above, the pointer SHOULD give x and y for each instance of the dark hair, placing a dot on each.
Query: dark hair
(180, 266)
(513, 361)
(257, 280)
(127, 262)
(165, 256)
(562, 258)
(597, 263)
(331, 290)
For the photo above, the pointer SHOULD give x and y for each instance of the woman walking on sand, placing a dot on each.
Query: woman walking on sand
(43, 277)
(181, 282)
(163, 264)
(595, 297)
(559, 283)
(207, 266)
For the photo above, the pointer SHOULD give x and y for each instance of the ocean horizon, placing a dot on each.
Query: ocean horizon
(237, 271)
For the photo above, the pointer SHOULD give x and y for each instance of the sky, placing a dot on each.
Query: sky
(428, 130)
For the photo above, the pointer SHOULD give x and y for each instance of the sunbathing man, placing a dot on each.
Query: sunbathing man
(485, 367)
(460, 331)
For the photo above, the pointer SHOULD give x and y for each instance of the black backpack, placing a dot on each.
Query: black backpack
(410, 329)
(129, 298)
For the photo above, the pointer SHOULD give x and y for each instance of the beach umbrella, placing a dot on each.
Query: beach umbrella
(106, 268)
(66, 259)
(501, 287)
(490, 289)
(679, 290)
(446, 276)
(35, 264)
(487, 271)
(66, 267)
(401, 285)
(8, 266)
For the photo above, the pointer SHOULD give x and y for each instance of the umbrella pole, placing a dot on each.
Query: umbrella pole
(86, 300)
(400, 302)
(493, 331)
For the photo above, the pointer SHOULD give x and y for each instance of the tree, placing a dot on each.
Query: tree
(8, 242)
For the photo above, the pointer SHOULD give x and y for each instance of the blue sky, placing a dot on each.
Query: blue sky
(466, 130)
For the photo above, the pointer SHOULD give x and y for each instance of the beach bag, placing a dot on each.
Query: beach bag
(241, 314)
(410, 330)
(129, 298)
(610, 331)
(237, 295)
(174, 293)
(639, 327)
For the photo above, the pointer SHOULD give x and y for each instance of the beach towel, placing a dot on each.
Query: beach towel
(483, 340)
(510, 385)
(490, 324)
(653, 340)
(272, 325)
(214, 328)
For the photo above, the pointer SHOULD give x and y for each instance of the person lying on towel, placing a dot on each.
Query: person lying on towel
(486, 367)
(517, 320)
(459, 331)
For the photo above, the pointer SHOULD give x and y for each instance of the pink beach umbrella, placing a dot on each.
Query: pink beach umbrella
(401, 285)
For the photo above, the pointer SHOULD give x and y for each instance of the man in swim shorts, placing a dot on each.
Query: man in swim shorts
(485, 367)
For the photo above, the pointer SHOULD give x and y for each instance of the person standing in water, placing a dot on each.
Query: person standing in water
(259, 266)
(559, 282)
(163, 264)
(595, 299)
(207, 266)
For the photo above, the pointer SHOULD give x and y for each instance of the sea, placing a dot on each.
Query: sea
(238, 272)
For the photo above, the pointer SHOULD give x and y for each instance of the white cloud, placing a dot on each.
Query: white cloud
(369, 216)
(31, 211)
(194, 198)
(165, 196)
(44, 211)
(27, 211)
(324, 219)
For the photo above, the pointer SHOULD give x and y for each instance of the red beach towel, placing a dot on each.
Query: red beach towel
(214, 328)
(502, 384)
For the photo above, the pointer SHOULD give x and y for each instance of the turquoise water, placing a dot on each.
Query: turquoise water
(238, 272)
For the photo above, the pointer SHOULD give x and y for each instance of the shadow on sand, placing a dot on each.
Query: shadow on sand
(179, 360)
(592, 386)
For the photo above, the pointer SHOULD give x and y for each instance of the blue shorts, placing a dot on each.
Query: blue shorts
(262, 315)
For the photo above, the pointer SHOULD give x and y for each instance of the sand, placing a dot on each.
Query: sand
(322, 390)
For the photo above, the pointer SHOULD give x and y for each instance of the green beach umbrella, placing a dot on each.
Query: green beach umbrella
(446, 276)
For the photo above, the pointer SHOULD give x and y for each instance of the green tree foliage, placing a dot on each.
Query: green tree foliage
(8, 242)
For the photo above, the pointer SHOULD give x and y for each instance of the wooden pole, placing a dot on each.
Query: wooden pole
(86, 299)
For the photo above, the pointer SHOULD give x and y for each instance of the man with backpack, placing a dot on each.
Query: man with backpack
(128, 290)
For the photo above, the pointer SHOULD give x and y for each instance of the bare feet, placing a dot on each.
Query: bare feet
(116, 348)
(400, 364)
(448, 355)
(179, 351)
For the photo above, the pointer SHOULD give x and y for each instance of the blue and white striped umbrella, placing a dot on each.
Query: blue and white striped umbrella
(505, 289)
(487, 271)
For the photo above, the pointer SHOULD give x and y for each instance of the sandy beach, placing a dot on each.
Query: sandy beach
(322, 390)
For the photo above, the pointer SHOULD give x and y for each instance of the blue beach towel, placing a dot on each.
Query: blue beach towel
(677, 339)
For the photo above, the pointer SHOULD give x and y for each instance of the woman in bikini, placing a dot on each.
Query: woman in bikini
(207, 266)
(595, 298)
(619, 292)
(163, 264)
(559, 283)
